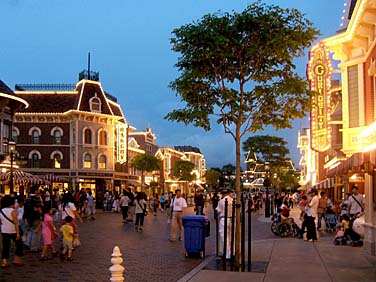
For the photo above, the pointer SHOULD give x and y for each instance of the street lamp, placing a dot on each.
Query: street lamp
(267, 184)
(11, 150)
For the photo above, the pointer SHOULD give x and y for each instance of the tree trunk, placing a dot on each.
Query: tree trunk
(238, 199)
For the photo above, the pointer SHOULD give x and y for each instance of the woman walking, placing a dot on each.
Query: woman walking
(124, 204)
(140, 211)
(10, 231)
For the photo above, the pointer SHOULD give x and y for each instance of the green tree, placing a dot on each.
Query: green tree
(238, 68)
(182, 170)
(212, 177)
(268, 148)
(145, 163)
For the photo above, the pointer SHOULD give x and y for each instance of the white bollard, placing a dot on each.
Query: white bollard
(116, 269)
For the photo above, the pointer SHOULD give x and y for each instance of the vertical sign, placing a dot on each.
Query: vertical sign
(320, 75)
(121, 148)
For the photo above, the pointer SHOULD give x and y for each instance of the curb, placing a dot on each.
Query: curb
(196, 270)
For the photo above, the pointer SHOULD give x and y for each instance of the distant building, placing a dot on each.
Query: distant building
(9, 104)
(77, 132)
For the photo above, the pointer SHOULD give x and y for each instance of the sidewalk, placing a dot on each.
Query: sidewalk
(292, 259)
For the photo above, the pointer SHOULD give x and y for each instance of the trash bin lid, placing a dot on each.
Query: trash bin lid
(194, 218)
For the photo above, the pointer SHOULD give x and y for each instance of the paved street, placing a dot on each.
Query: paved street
(148, 255)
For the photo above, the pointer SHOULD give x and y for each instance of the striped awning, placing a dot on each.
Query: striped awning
(53, 178)
(325, 184)
(22, 178)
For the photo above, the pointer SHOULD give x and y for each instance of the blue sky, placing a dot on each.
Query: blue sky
(47, 41)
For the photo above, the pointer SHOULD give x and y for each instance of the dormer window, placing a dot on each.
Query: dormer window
(95, 104)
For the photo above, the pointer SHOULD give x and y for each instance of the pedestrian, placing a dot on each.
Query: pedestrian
(69, 209)
(124, 204)
(131, 206)
(199, 203)
(48, 233)
(155, 204)
(162, 201)
(90, 205)
(141, 211)
(115, 203)
(302, 206)
(222, 214)
(344, 204)
(215, 200)
(10, 231)
(168, 200)
(356, 202)
(321, 209)
(32, 214)
(178, 205)
(68, 234)
(311, 216)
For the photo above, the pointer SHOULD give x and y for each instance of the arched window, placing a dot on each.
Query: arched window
(15, 133)
(102, 138)
(57, 161)
(35, 136)
(102, 162)
(95, 104)
(87, 136)
(57, 136)
(35, 160)
(87, 161)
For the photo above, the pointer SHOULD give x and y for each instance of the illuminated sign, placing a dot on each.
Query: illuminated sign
(121, 148)
(320, 75)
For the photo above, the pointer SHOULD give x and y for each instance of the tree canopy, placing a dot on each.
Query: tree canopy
(238, 69)
(145, 163)
(183, 170)
(267, 148)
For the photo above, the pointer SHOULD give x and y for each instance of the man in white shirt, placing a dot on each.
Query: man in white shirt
(356, 202)
(178, 206)
(226, 195)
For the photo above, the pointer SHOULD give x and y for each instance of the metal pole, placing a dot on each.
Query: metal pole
(217, 235)
(249, 233)
(224, 247)
(233, 233)
(11, 173)
(243, 235)
(267, 204)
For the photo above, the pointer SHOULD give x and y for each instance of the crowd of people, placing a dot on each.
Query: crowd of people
(318, 212)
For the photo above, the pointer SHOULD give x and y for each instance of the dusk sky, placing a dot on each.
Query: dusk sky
(47, 41)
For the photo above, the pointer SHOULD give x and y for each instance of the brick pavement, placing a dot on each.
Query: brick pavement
(147, 255)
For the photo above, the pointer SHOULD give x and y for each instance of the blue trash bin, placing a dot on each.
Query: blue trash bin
(194, 235)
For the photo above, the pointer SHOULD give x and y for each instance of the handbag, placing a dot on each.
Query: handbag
(143, 209)
(76, 241)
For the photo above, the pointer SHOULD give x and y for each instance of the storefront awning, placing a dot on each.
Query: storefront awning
(325, 184)
(133, 183)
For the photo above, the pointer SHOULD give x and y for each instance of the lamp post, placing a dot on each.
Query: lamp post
(12, 150)
(267, 184)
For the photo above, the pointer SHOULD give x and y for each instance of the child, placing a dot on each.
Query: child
(342, 236)
(115, 204)
(302, 206)
(48, 233)
(68, 234)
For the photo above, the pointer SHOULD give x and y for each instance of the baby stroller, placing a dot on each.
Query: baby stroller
(330, 220)
(341, 237)
(353, 235)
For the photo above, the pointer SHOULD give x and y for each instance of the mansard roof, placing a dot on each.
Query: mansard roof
(187, 149)
(58, 101)
(11, 99)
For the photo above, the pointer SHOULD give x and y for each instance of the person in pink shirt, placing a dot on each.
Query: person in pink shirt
(48, 233)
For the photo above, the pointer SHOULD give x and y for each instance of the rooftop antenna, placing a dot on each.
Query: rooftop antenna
(88, 66)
